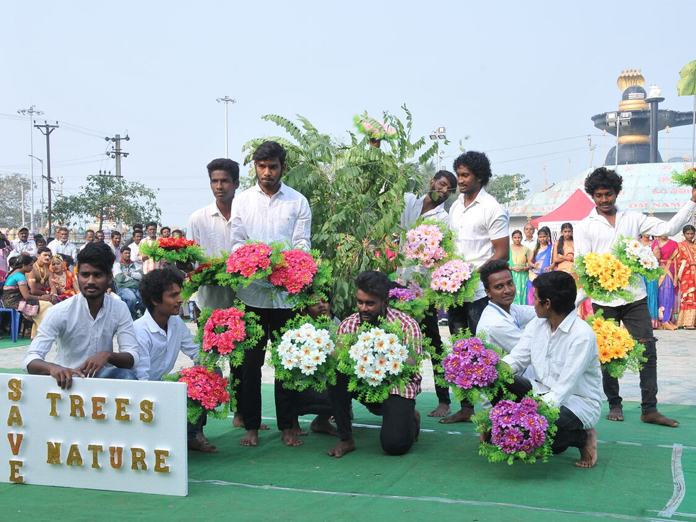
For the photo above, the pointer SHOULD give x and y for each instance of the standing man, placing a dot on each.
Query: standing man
(165, 232)
(83, 328)
(149, 264)
(61, 245)
(128, 277)
(22, 245)
(400, 419)
(481, 231)
(597, 233)
(115, 243)
(89, 238)
(135, 248)
(529, 241)
(99, 236)
(432, 206)
(211, 228)
(269, 211)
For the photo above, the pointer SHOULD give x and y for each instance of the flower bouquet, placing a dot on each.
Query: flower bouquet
(206, 391)
(473, 368)
(639, 258)
(250, 262)
(227, 334)
(685, 179)
(406, 300)
(320, 287)
(618, 351)
(430, 242)
(302, 355)
(452, 283)
(294, 270)
(374, 129)
(603, 277)
(375, 360)
(204, 275)
(173, 250)
(518, 430)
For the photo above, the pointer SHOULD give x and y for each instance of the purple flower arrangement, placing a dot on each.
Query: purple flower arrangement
(518, 426)
(470, 364)
(402, 294)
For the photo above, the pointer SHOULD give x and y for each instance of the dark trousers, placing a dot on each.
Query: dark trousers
(432, 331)
(399, 425)
(291, 403)
(570, 429)
(249, 373)
(636, 318)
(459, 318)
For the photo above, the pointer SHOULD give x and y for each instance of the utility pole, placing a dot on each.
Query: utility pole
(21, 188)
(226, 100)
(61, 180)
(116, 154)
(46, 130)
(30, 112)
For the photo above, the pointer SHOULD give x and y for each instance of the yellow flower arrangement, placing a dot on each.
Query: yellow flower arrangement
(611, 273)
(617, 349)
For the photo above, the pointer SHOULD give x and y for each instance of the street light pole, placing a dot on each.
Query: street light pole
(30, 112)
(41, 201)
(226, 100)
(439, 134)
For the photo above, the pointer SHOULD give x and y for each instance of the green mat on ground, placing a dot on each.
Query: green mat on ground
(441, 478)
(6, 342)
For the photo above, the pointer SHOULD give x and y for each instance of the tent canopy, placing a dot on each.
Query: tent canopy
(575, 208)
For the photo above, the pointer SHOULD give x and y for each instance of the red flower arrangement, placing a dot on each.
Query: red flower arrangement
(295, 271)
(173, 250)
(205, 386)
(223, 330)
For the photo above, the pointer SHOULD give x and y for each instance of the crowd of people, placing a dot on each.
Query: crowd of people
(527, 303)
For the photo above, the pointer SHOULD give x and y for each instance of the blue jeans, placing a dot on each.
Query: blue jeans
(131, 296)
(112, 372)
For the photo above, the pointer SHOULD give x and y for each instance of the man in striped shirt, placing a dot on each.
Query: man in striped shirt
(400, 419)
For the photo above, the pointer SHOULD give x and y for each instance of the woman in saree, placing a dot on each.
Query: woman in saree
(651, 287)
(540, 261)
(686, 275)
(665, 251)
(63, 280)
(563, 253)
(17, 294)
(519, 266)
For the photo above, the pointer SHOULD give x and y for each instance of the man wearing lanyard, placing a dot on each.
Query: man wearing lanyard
(501, 321)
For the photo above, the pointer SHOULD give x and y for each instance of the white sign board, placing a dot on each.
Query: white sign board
(102, 434)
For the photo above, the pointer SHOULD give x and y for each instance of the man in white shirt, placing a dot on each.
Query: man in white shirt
(597, 233)
(83, 328)
(22, 245)
(561, 348)
(502, 321)
(150, 264)
(210, 227)
(269, 211)
(89, 238)
(62, 245)
(162, 335)
(529, 240)
(432, 206)
(135, 248)
(115, 243)
(481, 228)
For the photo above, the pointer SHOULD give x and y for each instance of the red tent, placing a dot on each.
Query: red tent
(575, 208)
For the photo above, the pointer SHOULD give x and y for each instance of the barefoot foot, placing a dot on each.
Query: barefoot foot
(463, 415)
(657, 418)
(250, 439)
(299, 432)
(343, 447)
(201, 443)
(321, 424)
(615, 414)
(442, 410)
(289, 438)
(238, 422)
(588, 453)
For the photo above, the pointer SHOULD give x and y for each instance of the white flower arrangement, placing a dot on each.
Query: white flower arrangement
(641, 253)
(377, 354)
(305, 348)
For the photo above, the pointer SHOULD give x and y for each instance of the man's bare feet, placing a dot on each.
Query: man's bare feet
(588, 453)
(615, 414)
(343, 447)
(417, 415)
(657, 418)
(289, 438)
(238, 422)
(442, 410)
(321, 424)
(250, 439)
(299, 432)
(463, 415)
(201, 443)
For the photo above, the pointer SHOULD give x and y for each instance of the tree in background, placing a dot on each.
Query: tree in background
(11, 201)
(355, 190)
(508, 187)
(108, 198)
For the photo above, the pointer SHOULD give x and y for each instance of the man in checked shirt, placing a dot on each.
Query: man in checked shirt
(400, 419)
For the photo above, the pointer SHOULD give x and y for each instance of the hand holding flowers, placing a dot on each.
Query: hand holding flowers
(206, 391)
(618, 351)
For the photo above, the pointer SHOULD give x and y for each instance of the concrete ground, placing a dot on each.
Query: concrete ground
(676, 350)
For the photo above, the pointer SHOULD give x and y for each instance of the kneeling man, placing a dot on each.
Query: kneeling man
(400, 419)
(561, 348)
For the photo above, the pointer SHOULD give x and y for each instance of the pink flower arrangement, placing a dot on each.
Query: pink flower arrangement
(295, 272)
(470, 364)
(451, 275)
(518, 426)
(204, 386)
(424, 244)
(223, 330)
(249, 259)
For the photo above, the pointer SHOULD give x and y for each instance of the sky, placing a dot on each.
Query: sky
(521, 79)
